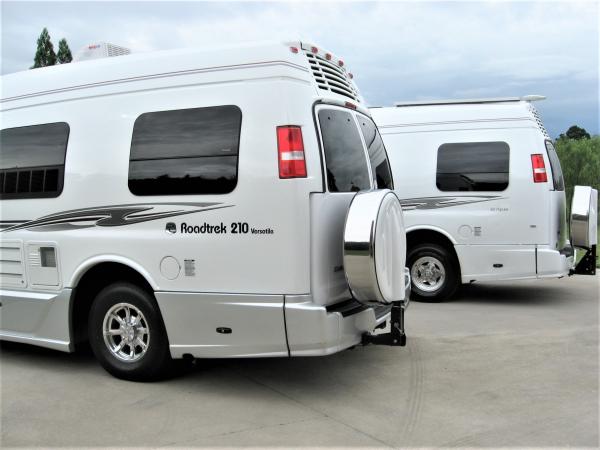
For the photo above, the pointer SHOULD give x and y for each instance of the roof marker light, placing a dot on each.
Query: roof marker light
(341, 63)
(314, 49)
(294, 49)
(350, 75)
(328, 56)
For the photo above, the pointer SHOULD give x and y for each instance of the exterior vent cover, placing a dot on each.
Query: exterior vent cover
(538, 120)
(12, 272)
(330, 77)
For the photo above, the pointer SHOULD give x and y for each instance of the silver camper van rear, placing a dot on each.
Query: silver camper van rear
(482, 190)
(225, 202)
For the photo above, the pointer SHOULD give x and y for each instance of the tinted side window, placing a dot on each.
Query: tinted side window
(473, 166)
(557, 175)
(347, 169)
(186, 151)
(380, 164)
(32, 160)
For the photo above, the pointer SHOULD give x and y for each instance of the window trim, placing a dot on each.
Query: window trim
(372, 169)
(475, 142)
(237, 162)
(562, 176)
(61, 171)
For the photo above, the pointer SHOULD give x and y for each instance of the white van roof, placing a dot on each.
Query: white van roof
(431, 112)
(270, 58)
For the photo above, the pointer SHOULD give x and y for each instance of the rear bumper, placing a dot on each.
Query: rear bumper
(553, 263)
(313, 330)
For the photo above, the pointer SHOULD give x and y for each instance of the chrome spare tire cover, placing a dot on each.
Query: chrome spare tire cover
(584, 217)
(375, 247)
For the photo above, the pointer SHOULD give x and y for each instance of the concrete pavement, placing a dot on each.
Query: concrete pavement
(511, 364)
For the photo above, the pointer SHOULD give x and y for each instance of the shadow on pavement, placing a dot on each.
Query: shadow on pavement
(321, 370)
(526, 294)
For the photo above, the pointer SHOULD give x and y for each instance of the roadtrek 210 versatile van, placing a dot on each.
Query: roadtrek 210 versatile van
(228, 202)
(483, 194)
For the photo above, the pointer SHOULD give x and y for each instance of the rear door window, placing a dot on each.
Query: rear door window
(345, 159)
(473, 166)
(557, 175)
(380, 165)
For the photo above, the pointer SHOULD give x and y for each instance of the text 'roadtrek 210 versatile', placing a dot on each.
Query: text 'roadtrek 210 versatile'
(228, 202)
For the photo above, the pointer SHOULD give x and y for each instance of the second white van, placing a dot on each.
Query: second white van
(483, 193)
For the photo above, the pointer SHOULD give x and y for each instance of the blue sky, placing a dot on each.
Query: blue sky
(397, 50)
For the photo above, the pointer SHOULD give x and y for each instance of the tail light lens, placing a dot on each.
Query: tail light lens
(291, 152)
(539, 168)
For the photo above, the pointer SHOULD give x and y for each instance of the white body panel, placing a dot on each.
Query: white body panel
(510, 234)
(236, 280)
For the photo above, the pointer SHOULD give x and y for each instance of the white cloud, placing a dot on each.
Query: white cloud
(397, 50)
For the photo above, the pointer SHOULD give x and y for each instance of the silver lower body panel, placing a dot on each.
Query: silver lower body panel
(207, 325)
(38, 318)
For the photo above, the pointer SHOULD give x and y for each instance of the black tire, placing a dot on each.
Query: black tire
(156, 362)
(449, 262)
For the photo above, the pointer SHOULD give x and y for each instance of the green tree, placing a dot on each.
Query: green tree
(64, 52)
(44, 55)
(576, 132)
(580, 161)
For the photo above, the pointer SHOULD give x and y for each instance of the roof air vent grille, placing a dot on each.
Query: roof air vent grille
(331, 77)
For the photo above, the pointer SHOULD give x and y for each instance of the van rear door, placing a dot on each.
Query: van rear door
(354, 159)
(558, 203)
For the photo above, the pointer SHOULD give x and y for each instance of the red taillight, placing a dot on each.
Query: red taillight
(350, 105)
(539, 168)
(291, 152)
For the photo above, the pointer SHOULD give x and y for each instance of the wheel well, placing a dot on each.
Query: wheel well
(92, 282)
(417, 237)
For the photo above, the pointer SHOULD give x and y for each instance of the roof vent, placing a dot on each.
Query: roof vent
(100, 50)
(538, 121)
(330, 76)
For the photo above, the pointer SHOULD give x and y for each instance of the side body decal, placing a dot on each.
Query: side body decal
(445, 201)
(109, 216)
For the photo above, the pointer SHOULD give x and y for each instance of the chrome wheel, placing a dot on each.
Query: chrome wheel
(126, 332)
(428, 274)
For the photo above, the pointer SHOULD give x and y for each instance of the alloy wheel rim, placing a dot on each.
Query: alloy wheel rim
(126, 332)
(428, 274)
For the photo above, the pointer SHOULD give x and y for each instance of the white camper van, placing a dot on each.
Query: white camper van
(483, 194)
(226, 202)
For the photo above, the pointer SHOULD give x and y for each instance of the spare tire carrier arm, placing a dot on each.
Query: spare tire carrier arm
(396, 336)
